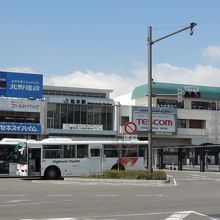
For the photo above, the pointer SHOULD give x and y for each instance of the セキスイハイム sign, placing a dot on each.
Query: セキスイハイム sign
(20, 128)
(21, 85)
(163, 119)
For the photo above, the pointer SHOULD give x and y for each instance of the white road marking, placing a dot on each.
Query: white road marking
(16, 201)
(25, 204)
(179, 215)
(11, 195)
(60, 195)
(183, 214)
(158, 195)
(107, 195)
(174, 182)
(66, 219)
(49, 219)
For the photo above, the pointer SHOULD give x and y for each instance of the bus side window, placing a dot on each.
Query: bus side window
(111, 151)
(82, 151)
(142, 150)
(130, 151)
(95, 152)
(52, 151)
(52, 154)
(69, 151)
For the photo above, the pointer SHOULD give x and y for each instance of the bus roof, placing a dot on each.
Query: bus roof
(12, 139)
(71, 142)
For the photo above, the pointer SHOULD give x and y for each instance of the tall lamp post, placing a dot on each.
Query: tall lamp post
(150, 43)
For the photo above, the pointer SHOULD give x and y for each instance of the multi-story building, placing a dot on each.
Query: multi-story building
(79, 112)
(183, 115)
(29, 110)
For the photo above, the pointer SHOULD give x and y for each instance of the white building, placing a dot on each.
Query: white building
(193, 113)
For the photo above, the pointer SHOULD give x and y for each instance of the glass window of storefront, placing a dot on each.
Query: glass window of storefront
(19, 117)
(59, 114)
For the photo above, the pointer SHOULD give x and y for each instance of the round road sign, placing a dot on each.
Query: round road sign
(130, 128)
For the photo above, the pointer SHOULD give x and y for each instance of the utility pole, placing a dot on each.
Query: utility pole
(150, 43)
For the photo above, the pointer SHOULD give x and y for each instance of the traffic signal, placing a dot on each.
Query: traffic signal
(192, 95)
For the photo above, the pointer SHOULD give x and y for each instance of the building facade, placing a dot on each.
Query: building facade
(80, 112)
(183, 115)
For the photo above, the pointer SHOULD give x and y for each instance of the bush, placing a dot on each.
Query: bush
(133, 174)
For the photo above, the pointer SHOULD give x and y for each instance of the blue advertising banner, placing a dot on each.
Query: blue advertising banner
(20, 128)
(21, 85)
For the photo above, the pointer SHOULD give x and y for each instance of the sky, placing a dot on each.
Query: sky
(103, 43)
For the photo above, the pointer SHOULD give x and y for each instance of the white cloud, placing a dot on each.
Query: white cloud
(212, 53)
(121, 84)
(206, 75)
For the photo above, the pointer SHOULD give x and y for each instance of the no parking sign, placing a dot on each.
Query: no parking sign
(130, 128)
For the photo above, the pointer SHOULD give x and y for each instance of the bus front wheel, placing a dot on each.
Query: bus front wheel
(52, 173)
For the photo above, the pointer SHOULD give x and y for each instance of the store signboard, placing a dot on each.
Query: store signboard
(163, 120)
(20, 105)
(20, 128)
(21, 85)
(83, 127)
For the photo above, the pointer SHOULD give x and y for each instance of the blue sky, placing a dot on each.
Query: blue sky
(103, 44)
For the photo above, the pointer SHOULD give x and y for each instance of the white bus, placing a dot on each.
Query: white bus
(55, 158)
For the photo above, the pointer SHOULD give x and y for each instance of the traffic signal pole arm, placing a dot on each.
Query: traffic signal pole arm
(191, 26)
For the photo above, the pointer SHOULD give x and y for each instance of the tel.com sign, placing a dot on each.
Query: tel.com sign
(21, 85)
(163, 119)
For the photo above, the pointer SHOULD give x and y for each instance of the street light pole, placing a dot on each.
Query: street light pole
(150, 43)
(150, 169)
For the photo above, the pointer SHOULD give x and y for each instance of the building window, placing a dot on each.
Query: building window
(59, 114)
(203, 105)
(169, 103)
(181, 123)
(197, 124)
(124, 119)
(73, 93)
(19, 117)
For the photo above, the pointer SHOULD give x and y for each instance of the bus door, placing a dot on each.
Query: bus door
(95, 159)
(34, 161)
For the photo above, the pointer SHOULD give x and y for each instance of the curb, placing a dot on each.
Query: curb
(117, 181)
